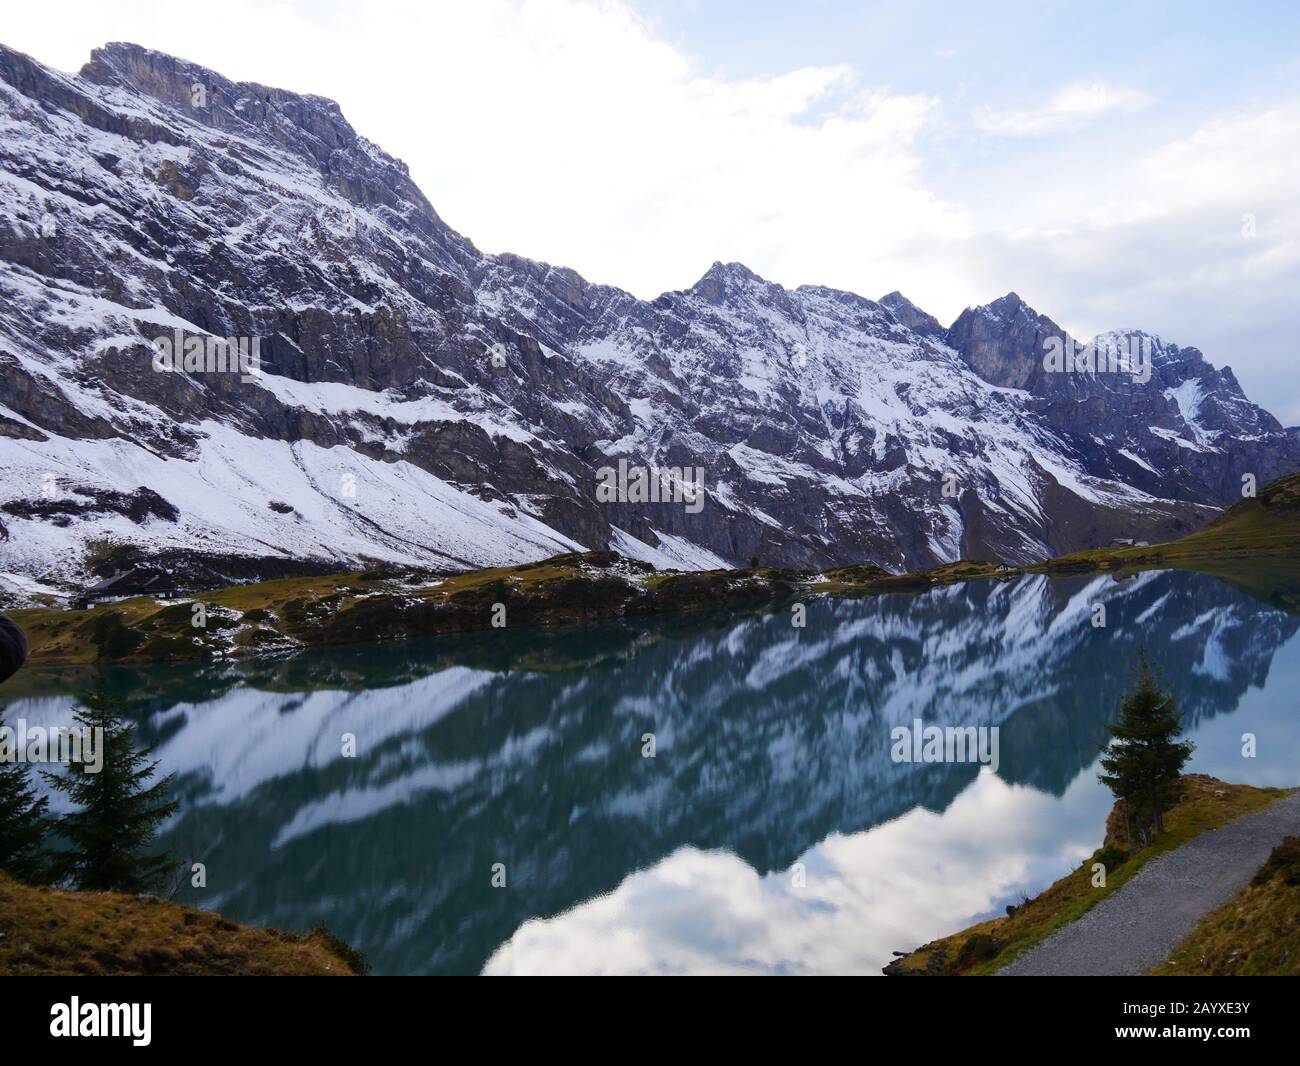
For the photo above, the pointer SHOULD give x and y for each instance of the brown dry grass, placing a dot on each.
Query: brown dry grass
(1256, 933)
(49, 932)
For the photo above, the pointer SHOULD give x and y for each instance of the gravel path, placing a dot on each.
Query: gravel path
(1137, 927)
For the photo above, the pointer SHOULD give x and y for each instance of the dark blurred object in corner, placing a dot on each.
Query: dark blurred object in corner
(13, 648)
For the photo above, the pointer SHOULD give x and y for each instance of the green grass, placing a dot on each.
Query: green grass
(1263, 526)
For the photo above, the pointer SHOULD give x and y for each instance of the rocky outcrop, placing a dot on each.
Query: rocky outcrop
(911, 316)
(1004, 342)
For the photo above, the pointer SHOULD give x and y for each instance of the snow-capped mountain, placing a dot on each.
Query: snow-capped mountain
(418, 400)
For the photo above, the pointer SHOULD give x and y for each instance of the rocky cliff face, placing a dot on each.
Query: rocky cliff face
(1186, 433)
(419, 400)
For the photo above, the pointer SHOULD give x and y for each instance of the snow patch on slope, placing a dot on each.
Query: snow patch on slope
(672, 553)
(224, 497)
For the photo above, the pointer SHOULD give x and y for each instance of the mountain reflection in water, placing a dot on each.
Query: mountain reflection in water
(771, 832)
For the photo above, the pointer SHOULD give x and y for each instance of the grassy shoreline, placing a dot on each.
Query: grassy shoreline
(292, 613)
(393, 603)
(55, 932)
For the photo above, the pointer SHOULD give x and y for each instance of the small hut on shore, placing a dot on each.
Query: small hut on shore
(135, 581)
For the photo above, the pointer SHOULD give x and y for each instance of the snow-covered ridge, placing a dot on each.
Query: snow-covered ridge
(421, 401)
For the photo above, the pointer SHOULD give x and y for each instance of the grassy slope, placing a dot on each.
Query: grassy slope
(1255, 933)
(1262, 526)
(46, 932)
(1204, 804)
(344, 608)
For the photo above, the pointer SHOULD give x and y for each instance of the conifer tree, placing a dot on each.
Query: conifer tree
(1143, 760)
(119, 812)
(24, 823)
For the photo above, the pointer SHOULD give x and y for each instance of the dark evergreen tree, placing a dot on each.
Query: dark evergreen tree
(1143, 761)
(118, 811)
(24, 823)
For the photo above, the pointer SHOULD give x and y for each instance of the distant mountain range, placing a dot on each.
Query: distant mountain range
(417, 400)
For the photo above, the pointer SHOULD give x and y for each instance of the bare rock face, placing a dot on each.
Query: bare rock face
(911, 316)
(416, 400)
(1003, 342)
(1188, 432)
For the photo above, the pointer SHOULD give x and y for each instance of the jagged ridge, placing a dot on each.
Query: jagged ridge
(383, 427)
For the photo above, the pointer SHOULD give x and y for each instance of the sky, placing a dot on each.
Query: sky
(1119, 165)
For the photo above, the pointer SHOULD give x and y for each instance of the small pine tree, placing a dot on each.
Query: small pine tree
(119, 812)
(24, 823)
(1143, 760)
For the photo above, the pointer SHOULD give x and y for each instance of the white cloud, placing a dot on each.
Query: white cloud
(1158, 239)
(897, 885)
(566, 130)
(1071, 108)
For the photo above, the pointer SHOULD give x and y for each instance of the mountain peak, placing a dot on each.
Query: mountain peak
(722, 279)
(731, 271)
(207, 97)
(1003, 341)
(911, 316)
(1010, 304)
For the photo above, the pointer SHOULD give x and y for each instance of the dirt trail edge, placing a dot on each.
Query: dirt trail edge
(1138, 927)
